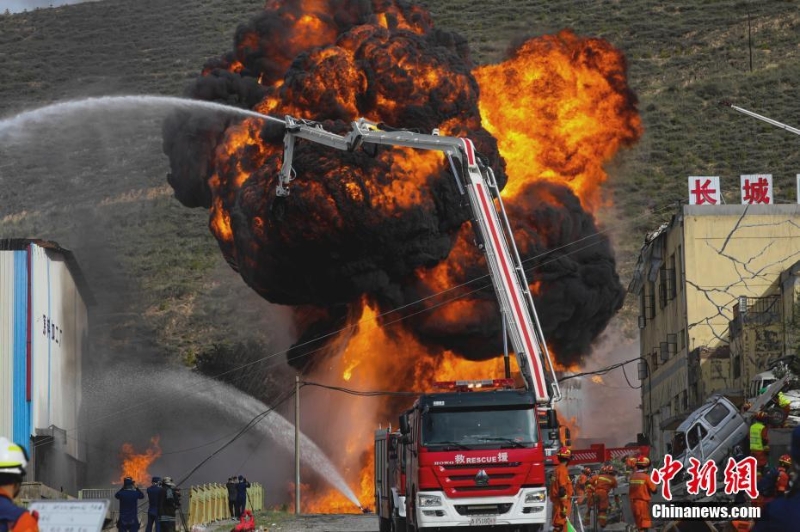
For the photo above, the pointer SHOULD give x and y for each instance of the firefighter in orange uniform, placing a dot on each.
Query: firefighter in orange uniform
(641, 491)
(741, 526)
(784, 466)
(630, 464)
(604, 483)
(561, 490)
(590, 495)
(580, 484)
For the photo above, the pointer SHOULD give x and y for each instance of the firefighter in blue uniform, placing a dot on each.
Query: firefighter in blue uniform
(241, 495)
(153, 496)
(129, 497)
(783, 514)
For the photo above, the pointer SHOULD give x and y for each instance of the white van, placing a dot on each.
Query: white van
(758, 383)
(713, 432)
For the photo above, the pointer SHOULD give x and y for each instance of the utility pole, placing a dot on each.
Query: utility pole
(297, 444)
(749, 37)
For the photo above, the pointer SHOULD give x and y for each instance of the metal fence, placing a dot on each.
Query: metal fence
(584, 516)
(209, 502)
(201, 504)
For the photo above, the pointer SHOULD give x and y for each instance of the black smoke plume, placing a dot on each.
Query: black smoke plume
(362, 225)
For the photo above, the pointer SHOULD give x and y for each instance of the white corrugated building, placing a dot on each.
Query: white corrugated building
(43, 341)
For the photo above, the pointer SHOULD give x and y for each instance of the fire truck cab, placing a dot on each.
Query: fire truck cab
(474, 459)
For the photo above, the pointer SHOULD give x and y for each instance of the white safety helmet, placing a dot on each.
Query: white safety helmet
(13, 458)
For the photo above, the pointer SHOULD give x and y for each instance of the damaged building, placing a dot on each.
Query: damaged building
(717, 289)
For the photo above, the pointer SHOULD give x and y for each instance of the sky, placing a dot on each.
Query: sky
(18, 6)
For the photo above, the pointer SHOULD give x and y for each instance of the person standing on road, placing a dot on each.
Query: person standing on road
(128, 497)
(783, 513)
(153, 496)
(13, 461)
(168, 505)
(641, 491)
(241, 495)
(232, 495)
(561, 490)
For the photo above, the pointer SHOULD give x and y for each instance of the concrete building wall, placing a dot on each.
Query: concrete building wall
(713, 255)
(43, 339)
(733, 251)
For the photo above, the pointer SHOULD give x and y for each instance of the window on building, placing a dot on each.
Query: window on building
(737, 366)
(671, 284)
(654, 360)
(695, 435)
(684, 401)
(682, 339)
(642, 312)
(672, 344)
(662, 287)
(649, 301)
(664, 351)
(678, 269)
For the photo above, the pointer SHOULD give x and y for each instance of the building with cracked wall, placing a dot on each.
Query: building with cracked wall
(694, 277)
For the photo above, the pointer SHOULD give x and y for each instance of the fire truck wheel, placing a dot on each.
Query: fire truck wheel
(398, 524)
(385, 525)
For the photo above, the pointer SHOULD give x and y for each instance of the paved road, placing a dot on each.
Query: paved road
(326, 523)
(309, 523)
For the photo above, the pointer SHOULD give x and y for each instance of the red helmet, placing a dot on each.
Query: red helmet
(643, 461)
(761, 415)
(564, 453)
(746, 407)
(587, 470)
(785, 461)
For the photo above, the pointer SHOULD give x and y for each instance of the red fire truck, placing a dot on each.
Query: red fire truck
(469, 459)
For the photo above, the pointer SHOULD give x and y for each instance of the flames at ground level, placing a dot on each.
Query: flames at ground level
(347, 423)
(135, 465)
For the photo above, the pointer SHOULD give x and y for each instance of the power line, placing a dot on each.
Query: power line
(381, 315)
(252, 423)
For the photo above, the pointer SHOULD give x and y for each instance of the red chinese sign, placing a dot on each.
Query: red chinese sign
(739, 476)
(756, 189)
(664, 474)
(704, 190)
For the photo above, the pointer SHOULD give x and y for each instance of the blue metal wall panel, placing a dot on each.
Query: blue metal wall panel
(22, 427)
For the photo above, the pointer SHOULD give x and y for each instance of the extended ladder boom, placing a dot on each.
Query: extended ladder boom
(491, 225)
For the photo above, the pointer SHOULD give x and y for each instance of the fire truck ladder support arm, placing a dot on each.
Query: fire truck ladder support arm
(493, 236)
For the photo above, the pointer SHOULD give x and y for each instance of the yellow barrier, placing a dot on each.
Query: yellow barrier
(209, 502)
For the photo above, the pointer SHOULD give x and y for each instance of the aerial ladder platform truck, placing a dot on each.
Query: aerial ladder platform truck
(463, 457)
